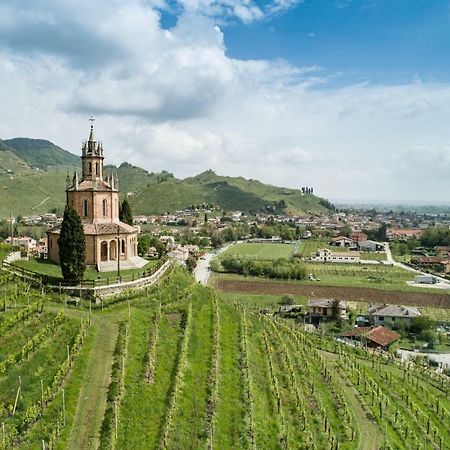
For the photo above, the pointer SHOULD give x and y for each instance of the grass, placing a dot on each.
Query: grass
(51, 269)
(350, 275)
(259, 251)
(320, 375)
(373, 256)
(311, 246)
(92, 397)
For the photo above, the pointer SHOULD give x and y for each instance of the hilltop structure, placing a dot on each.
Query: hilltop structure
(110, 243)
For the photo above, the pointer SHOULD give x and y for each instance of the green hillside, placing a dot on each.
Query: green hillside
(41, 153)
(10, 163)
(229, 193)
(33, 173)
(31, 193)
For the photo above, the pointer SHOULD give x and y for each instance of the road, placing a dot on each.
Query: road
(442, 284)
(202, 270)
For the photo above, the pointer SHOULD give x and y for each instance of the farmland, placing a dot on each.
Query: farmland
(260, 251)
(238, 284)
(180, 367)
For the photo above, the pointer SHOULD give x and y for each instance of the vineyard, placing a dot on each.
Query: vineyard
(177, 367)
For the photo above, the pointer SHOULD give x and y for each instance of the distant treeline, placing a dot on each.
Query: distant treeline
(279, 268)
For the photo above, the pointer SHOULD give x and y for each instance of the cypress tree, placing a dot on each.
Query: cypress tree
(72, 246)
(125, 214)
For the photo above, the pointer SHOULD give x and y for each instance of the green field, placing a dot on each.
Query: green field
(183, 368)
(259, 251)
(45, 267)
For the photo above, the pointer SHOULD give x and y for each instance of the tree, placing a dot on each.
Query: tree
(191, 262)
(125, 214)
(287, 299)
(72, 246)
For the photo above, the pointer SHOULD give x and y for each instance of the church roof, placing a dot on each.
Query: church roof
(92, 185)
(101, 228)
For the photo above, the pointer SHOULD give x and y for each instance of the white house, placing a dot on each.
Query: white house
(380, 314)
(325, 255)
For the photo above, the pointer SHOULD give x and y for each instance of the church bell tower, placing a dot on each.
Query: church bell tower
(92, 157)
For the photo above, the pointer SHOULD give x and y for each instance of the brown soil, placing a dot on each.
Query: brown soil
(356, 294)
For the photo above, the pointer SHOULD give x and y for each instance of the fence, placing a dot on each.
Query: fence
(42, 279)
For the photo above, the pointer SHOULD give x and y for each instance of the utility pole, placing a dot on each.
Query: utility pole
(118, 251)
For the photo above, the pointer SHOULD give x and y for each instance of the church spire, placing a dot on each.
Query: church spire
(91, 135)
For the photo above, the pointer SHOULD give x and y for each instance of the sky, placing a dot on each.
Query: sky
(351, 97)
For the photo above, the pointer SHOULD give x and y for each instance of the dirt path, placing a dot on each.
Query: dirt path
(370, 436)
(92, 399)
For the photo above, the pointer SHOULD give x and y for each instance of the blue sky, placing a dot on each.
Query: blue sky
(349, 96)
(384, 41)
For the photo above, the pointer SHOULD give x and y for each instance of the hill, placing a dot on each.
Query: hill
(42, 154)
(33, 173)
(229, 193)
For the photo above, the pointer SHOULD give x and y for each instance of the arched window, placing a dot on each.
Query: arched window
(90, 168)
(97, 172)
(105, 207)
(85, 208)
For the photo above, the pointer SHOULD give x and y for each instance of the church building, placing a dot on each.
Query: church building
(95, 197)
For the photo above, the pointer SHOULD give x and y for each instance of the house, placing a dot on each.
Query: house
(325, 308)
(382, 314)
(431, 262)
(358, 236)
(402, 233)
(373, 337)
(325, 255)
(443, 251)
(371, 246)
(342, 241)
(28, 243)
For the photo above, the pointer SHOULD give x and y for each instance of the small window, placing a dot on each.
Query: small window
(381, 318)
(105, 207)
(85, 208)
(96, 169)
(90, 168)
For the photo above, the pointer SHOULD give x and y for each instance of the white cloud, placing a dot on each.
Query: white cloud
(173, 100)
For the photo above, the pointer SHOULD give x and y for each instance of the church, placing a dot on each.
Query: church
(95, 197)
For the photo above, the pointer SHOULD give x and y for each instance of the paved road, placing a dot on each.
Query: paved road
(202, 271)
(442, 284)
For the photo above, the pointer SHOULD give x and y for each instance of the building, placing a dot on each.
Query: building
(371, 246)
(325, 255)
(325, 308)
(358, 236)
(342, 241)
(95, 197)
(374, 337)
(403, 233)
(382, 314)
(25, 242)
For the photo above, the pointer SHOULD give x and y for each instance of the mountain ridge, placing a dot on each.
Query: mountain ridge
(30, 185)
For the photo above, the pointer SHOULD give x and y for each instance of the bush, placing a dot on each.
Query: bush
(287, 299)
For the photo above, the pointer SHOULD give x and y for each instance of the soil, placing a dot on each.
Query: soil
(349, 293)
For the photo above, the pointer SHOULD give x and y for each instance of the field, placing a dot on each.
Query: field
(259, 251)
(238, 284)
(180, 367)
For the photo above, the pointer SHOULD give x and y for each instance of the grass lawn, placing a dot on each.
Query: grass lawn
(51, 269)
(257, 301)
(373, 256)
(260, 251)
(308, 247)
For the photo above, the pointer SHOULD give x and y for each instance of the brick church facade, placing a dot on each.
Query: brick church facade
(95, 197)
